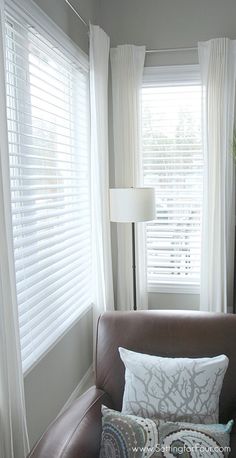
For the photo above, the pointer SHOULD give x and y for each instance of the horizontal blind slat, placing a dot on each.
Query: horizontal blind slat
(48, 274)
(35, 294)
(43, 320)
(38, 262)
(26, 244)
(55, 299)
(20, 232)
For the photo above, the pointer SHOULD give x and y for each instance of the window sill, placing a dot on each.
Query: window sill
(173, 288)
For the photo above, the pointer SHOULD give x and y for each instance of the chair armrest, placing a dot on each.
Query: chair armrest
(76, 433)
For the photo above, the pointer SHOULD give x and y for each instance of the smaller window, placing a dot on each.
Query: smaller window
(173, 163)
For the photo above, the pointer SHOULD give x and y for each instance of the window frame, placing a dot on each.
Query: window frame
(164, 76)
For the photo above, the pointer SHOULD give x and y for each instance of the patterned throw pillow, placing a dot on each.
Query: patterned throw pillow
(175, 389)
(128, 436)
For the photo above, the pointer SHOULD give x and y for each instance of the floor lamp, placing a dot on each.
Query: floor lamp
(132, 205)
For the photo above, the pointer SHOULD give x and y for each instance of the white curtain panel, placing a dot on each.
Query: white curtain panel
(127, 63)
(13, 431)
(217, 62)
(102, 261)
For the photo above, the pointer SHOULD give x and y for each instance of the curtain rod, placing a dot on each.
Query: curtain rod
(148, 51)
(154, 51)
(77, 13)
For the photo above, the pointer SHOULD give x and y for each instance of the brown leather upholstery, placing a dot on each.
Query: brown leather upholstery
(76, 433)
(188, 334)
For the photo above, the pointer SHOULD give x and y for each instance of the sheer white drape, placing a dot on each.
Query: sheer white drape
(102, 262)
(127, 69)
(217, 62)
(13, 431)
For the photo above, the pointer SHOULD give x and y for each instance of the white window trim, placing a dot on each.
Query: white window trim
(27, 8)
(188, 74)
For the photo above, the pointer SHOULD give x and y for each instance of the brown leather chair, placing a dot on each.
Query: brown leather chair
(77, 432)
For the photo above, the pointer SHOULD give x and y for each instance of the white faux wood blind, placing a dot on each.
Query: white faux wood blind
(48, 126)
(173, 164)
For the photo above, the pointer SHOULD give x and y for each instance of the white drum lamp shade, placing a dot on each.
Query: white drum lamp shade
(132, 205)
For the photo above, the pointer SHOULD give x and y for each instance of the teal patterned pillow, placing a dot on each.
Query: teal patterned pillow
(128, 436)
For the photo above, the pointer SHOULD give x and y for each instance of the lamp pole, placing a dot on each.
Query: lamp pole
(134, 267)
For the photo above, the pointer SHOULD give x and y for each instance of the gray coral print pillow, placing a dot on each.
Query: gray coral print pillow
(174, 389)
(128, 436)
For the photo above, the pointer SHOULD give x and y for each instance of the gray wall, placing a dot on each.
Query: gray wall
(161, 24)
(167, 24)
(60, 12)
(51, 382)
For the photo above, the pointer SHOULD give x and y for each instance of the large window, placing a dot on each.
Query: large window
(48, 128)
(173, 164)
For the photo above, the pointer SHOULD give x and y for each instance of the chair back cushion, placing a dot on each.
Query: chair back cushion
(168, 334)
